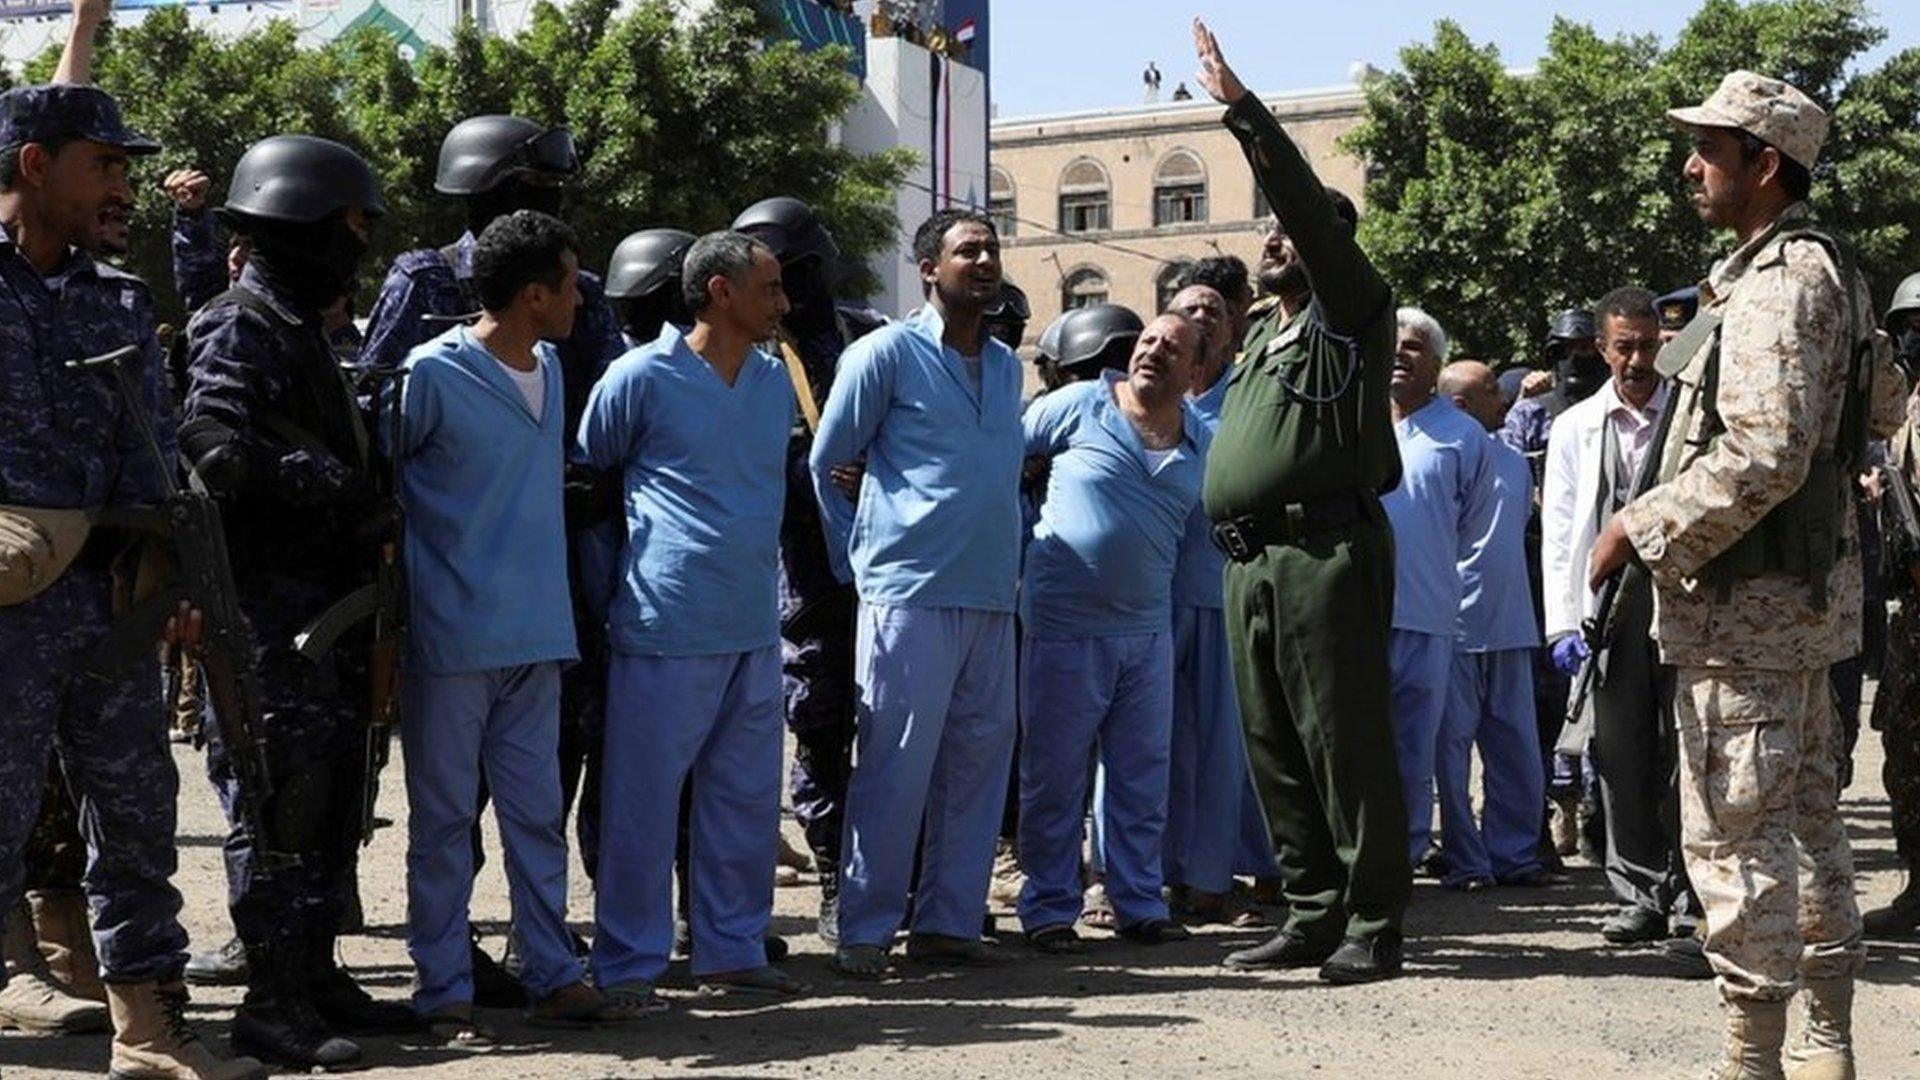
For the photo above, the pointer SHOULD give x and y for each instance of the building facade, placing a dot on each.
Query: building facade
(1108, 206)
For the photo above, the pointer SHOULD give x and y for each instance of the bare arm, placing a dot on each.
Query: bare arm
(76, 60)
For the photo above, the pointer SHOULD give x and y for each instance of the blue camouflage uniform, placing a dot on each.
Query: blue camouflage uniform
(290, 522)
(66, 441)
(424, 283)
(199, 263)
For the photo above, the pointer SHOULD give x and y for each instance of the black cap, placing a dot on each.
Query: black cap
(45, 113)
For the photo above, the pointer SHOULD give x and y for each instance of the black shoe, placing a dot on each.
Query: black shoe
(1688, 957)
(828, 924)
(1634, 925)
(776, 948)
(277, 1022)
(1899, 919)
(493, 988)
(1286, 949)
(225, 966)
(1433, 864)
(1155, 932)
(1364, 959)
(347, 1007)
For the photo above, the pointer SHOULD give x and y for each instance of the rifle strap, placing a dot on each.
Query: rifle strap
(802, 386)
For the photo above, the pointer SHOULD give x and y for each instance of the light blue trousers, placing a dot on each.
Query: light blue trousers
(1214, 826)
(1420, 666)
(1082, 698)
(717, 720)
(1490, 704)
(505, 721)
(934, 744)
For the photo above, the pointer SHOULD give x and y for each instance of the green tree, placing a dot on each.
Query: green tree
(1498, 199)
(679, 121)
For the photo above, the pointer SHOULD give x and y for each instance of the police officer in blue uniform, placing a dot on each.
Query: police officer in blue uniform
(271, 427)
(67, 443)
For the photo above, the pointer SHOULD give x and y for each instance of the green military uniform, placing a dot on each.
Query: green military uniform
(1304, 448)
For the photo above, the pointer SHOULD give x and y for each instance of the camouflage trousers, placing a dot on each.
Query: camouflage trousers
(1761, 830)
(112, 738)
(1896, 716)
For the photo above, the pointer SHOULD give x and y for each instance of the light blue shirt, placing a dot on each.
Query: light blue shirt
(486, 542)
(704, 466)
(1496, 601)
(937, 523)
(1101, 562)
(1199, 578)
(1445, 483)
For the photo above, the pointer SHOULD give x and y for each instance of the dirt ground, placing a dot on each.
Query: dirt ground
(1511, 983)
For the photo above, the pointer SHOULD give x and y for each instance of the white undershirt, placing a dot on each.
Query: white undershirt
(532, 384)
(1157, 458)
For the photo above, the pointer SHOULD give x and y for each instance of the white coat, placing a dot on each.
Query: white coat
(1570, 518)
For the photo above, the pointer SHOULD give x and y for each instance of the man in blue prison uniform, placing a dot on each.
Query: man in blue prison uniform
(697, 425)
(1444, 485)
(1490, 694)
(1215, 828)
(481, 455)
(1125, 457)
(933, 546)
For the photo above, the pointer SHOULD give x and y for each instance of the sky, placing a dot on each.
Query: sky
(1061, 55)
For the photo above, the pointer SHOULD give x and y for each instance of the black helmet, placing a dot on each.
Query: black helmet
(1011, 305)
(1573, 324)
(1048, 347)
(482, 151)
(646, 261)
(790, 228)
(301, 179)
(1101, 335)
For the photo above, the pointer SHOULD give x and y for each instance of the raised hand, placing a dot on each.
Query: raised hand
(1215, 76)
(188, 190)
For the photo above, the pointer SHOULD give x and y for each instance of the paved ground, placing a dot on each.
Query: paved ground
(1510, 984)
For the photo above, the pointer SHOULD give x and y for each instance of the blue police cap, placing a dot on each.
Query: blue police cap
(45, 113)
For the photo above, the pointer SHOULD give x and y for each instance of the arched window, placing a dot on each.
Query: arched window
(1084, 287)
(1000, 202)
(1179, 190)
(1085, 202)
(1167, 282)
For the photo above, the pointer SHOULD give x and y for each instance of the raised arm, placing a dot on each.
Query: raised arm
(76, 60)
(1350, 291)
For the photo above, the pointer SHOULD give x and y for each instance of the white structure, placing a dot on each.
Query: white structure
(944, 121)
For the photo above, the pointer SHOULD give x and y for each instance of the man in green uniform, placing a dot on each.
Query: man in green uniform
(1305, 448)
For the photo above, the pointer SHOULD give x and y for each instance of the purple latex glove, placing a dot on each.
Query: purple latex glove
(1569, 653)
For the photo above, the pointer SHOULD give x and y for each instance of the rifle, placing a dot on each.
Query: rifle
(1899, 526)
(384, 602)
(190, 520)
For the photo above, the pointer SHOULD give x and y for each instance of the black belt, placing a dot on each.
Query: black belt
(1246, 536)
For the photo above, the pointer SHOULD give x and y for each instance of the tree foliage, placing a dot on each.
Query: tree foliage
(1499, 198)
(679, 122)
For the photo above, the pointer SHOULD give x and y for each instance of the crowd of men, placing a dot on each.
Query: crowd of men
(1247, 586)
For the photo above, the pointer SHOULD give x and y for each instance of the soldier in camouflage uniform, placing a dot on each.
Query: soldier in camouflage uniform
(1752, 546)
(1896, 705)
(67, 443)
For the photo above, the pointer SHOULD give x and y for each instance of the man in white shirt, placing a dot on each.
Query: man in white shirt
(1594, 454)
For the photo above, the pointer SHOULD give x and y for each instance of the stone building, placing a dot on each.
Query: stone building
(1108, 205)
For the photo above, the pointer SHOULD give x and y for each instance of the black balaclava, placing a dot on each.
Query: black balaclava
(1906, 347)
(644, 317)
(1578, 374)
(509, 195)
(311, 264)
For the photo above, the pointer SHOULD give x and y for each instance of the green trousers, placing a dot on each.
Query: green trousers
(1307, 624)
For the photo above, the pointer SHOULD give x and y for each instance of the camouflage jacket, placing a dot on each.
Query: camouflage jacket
(1784, 354)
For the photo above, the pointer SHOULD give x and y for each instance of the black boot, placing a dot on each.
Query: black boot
(277, 1021)
(493, 988)
(828, 925)
(345, 1005)
(224, 966)
(1901, 917)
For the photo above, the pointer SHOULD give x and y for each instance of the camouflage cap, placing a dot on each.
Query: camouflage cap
(43, 113)
(1768, 109)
